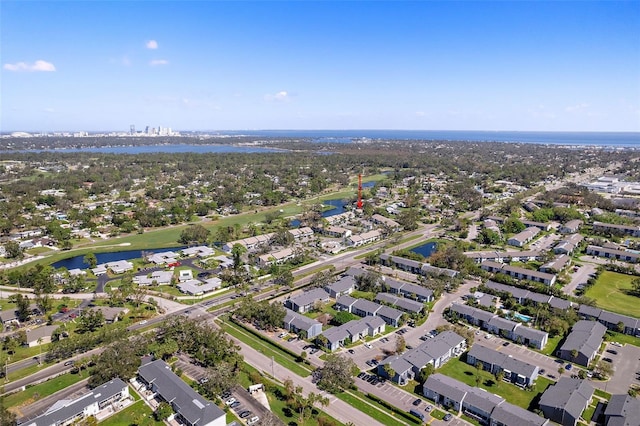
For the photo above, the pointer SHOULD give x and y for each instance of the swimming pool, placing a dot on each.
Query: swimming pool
(521, 317)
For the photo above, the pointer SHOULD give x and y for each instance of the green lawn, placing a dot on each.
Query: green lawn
(376, 412)
(611, 292)
(612, 336)
(466, 373)
(552, 344)
(137, 413)
(588, 412)
(34, 393)
(267, 349)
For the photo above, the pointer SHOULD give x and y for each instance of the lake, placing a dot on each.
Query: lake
(78, 262)
(425, 250)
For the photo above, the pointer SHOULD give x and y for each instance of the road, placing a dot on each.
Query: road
(581, 276)
(337, 408)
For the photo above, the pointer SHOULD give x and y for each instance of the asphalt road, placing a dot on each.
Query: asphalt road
(38, 408)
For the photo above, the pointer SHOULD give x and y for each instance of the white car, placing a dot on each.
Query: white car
(143, 322)
(488, 336)
(253, 420)
(230, 401)
(368, 345)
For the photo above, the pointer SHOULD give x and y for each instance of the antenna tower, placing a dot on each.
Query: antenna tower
(359, 205)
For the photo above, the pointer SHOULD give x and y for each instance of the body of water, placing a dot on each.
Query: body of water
(620, 139)
(425, 250)
(339, 206)
(78, 262)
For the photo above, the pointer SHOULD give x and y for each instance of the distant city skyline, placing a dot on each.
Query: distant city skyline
(207, 65)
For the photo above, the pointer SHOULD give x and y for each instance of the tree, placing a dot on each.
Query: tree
(574, 354)
(284, 278)
(336, 374)
(389, 371)
(194, 234)
(91, 260)
(13, 250)
(117, 360)
(401, 344)
(479, 368)
(237, 251)
(221, 377)
(24, 313)
(425, 372)
(604, 369)
(163, 410)
(620, 327)
(90, 320)
(6, 417)
(636, 286)
(44, 302)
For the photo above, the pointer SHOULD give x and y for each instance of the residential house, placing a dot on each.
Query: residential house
(524, 237)
(571, 227)
(622, 410)
(401, 263)
(353, 331)
(540, 225)
(505, 256)
(436, 351)
(611, 320)
(110, 314)
(518, 272)
(364, 238)
(583, 341)
(609, 253)
(200, 251)
(407, 305)
(301, 233)
(565, 401)
(335, 231)
(156, 278)
(40, 335)
(306, 301)
(385, 221)
(197, 287)
(483, 406)
(633, 231)
(277, 257)
(405, 289)
(112, 394)
(191, 409)
(557, 264)
(568, 244)
(250, 243)
(494, 324)
(185, 275)
(306, 327)
(515, 371)
(344, 286)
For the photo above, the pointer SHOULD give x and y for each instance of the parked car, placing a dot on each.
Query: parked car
(428, 408)
(417, 402)
(447, 417)
(230, 401)
(368, 345)
(351, 351)
(253, 420)
(506, 344)
(245, 414)
(235, 404)
(568, 366)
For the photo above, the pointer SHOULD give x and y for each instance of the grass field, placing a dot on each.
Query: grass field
(377, 412)
(611, 293)
(137, 413)
(467, 374)
(34, 393)
(269, 350)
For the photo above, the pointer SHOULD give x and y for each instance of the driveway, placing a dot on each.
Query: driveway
(579, 277)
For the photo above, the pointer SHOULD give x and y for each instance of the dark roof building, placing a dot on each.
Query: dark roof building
(565, 401)
(622, 410)
(190, 407)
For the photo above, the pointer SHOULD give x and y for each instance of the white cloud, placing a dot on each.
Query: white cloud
(49, 110)
(38, 65)
(152, 44)
(421, 114)
(577, 108)
(157, 62)
(282, 96)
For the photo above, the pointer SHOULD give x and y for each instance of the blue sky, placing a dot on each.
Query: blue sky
(211, 65)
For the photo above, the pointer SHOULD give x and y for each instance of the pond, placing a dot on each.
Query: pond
(78, 262)
(425, 250)
(338, 206)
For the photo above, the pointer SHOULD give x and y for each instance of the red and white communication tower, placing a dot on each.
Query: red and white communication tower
(359, 205)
